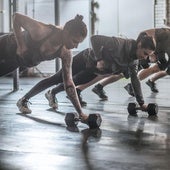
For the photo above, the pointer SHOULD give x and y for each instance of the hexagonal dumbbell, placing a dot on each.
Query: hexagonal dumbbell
(152, 109)
(71, 120)
(93, 121)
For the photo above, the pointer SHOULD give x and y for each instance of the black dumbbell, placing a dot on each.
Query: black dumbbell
(93, 121)
(152, 109)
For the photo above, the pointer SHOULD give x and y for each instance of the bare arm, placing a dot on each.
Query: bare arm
(68, 81)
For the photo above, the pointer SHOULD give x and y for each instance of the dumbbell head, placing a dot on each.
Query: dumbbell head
(94, 121)
(152, 109)
(71, 119)
(132, 109)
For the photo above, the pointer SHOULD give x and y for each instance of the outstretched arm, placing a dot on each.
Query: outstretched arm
(68, 81)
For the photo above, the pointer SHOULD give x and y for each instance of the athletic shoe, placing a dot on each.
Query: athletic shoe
(83, 103)
(23, 107)
(129, 89)
(152, 85)
(98, 89)
(51, 99)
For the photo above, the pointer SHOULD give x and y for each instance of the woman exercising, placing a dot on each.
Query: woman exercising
(34, 41)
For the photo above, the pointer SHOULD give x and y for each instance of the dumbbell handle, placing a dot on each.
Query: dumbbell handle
(139, 108)
(152, 108)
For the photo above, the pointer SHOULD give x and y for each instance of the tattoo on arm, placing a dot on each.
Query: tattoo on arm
(68, 82)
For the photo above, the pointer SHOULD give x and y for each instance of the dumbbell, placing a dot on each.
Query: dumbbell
(152, 109)
(93, 121)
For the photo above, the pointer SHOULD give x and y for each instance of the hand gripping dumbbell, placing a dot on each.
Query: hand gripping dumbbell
(93, 121)
(152, 109)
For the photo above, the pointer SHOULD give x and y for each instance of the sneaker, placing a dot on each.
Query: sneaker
(98, 89)
(23, 107)
(129, 89)
(83, 103)
(51, 99)
(152, 85)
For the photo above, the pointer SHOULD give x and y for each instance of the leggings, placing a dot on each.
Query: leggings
(81, 75)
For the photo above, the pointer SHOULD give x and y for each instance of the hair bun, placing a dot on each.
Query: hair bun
(79, 17)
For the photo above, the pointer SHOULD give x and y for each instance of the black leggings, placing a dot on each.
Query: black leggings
(81, 75)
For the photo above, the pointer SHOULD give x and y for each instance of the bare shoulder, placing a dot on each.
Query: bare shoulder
(37, 29)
